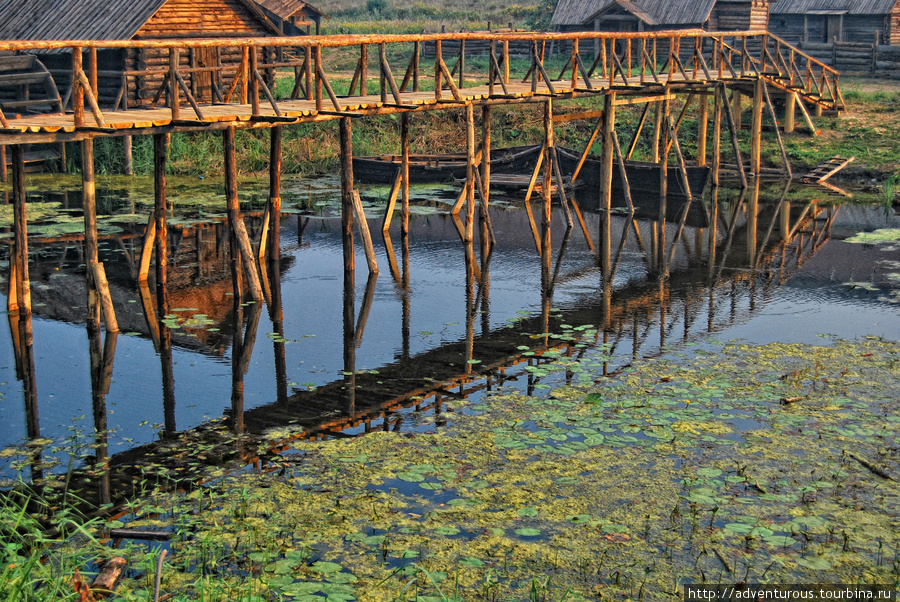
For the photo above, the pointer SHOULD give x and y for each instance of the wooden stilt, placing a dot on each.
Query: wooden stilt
(486, 155)
(732, 128)
(236, 220)
(607, 155)
(20, 224)
(404, 175)
(806, 117)
(756, 129)
(89, 202)
(736, 108)
(129, 155)
(657, 131)
(784, 156)
(717, 139)
(363, 226)
(109, 313)
(790, 110)
(271, 230)
(392, 201)
(160, 153)
(663, 190)
(3, 174)
(470, 172)
(346, 142)
(702, 129)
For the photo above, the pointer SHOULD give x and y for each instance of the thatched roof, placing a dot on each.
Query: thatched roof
(651, 12)
(852, 7)
(84, 19)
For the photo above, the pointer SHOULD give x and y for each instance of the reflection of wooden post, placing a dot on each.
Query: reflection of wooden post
(236, 220)
(349, 319)
(109, 313)
(752, 222)
(276, 315)
(20, 224)
(717, 139)
(470, 306)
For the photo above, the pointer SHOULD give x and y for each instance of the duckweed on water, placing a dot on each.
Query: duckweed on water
(739, 463)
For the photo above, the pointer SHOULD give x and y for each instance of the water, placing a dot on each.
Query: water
(393, 348)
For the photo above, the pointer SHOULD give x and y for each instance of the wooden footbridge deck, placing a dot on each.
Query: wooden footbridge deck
(650, 69)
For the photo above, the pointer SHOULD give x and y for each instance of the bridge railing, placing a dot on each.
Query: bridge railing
(590, 61)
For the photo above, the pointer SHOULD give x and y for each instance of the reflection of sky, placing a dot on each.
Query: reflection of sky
(813, 301)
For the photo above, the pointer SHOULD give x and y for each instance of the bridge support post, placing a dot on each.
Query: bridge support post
(486, 154)
(702, 128)
(790, 108)
(129, 155)
(270, 237)
(607, 154)
(470, 173)
(19, 284)
(347, 197)
(157, 230)
(404, 178)
(95, 277)
(236, 220)
(756, 131)
(736, 108)
(663, 189)
(717, 138)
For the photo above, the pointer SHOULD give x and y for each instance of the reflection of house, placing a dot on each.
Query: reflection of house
(133, 20)
(292, 17)
(655, 15)
(841, 20)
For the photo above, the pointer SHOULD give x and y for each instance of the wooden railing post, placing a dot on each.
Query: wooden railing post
(317, 60)
(364, 70)
(254, 81)
(574, 63)
(417, 52)
(245, 75)
(382, 78)
(308, 72)
(437, 69)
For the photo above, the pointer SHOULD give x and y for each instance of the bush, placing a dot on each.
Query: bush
(376, 7)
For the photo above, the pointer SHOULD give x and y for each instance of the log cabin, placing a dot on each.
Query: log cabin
(656, 15)
(132, 77)
(293, 17)
(827, 21)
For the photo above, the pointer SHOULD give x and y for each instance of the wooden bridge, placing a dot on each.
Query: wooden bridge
(650, 69)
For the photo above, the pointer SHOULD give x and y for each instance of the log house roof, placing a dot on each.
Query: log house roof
(852, 7)
(85, 19)
(651, 12)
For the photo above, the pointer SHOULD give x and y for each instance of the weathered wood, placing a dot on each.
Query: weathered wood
(160, 209)
(470, 172)
(756, 128)
(404, 175)
(19, 262)
(346, 142)
(364, 233)
(790, 110)
(236, 220)
(607, 154)
(89, 208)
(106, 304)
(274, 203)
(129, 158)
(105, 581)
(702, 129)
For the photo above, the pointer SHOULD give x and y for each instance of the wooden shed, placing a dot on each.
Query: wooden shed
(293, 17)
(655, 15)
(826, 21)
(126, 76)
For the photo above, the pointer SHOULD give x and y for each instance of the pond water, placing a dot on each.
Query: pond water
(323, 358)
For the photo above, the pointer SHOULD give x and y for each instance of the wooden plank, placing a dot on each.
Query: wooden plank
(566, 117)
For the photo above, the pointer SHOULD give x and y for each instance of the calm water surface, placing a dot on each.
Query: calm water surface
(344, 360)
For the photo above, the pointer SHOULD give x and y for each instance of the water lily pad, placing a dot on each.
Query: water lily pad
(578, 518)
(411, 477)
(816, 563)
(471, 562)
(447, 530)
(781, 541)
(528, 532)
(527, 511)
(326, 567)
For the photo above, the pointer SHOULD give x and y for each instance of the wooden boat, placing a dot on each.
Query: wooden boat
(643, 177)
(440, 168)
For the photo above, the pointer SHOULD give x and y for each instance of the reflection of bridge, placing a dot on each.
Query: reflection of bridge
(750, 248)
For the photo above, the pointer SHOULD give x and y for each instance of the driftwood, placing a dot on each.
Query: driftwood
(873, 468)
(109, 576)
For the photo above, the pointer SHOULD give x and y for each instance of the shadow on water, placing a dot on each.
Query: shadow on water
(447, 321)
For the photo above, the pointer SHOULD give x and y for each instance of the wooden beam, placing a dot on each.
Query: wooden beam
(576, 116)
(20, 284)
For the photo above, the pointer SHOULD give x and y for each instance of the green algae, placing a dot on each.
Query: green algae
(596, 490)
